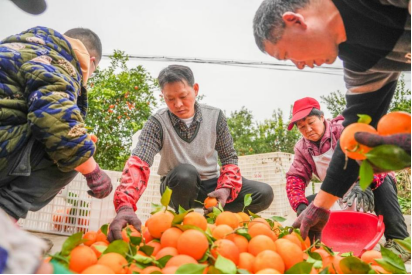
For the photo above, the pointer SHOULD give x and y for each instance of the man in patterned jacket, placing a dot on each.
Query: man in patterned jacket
(43, 103)
(189, 137)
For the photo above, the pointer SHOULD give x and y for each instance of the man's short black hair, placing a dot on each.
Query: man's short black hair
(90, 40)
(176, 73)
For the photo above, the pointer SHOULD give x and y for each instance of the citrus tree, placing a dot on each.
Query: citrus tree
(251, 137)
(121, 99)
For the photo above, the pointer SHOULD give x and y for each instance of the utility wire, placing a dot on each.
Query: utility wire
(248, 64)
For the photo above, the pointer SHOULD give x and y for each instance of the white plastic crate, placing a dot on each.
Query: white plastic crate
(269, 168)
(73, 210)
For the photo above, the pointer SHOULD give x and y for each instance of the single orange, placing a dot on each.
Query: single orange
(246, 261)
(290, 252)
(192, 243)
(159, 223)
(260, 229)
(227, 218)
(210, 202)
(395, 123)
(268, 259)
(81, 257)
(195, 219)
(227, 249)
(221, 231)
(90, 237)
(350, 146)
(258, 221)
(260, 243)
(114, 261)
(170, 237)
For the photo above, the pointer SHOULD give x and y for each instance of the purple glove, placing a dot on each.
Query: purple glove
(311, 222)
(372, 140)
(124, 216)
(221, 195)
(99, 183)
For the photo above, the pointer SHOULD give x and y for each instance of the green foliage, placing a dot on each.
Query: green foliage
(250, 137)
(403, 180)
(401, 101)
(402, 98)
(120, 101)
(335, 102)
(243, 131)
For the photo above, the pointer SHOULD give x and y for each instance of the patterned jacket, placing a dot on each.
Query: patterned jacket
(41, 96)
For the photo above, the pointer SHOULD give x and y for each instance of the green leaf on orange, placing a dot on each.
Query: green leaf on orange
(353, 265)
(365, 174)
(389, 157)
(364, 119)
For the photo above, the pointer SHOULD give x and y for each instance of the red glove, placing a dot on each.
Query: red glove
(230, 178)
(134, 180)
(221, 195)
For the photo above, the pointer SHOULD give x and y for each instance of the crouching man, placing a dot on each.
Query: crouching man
(190, 138)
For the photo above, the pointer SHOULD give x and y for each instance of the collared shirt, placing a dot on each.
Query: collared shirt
(151, 138)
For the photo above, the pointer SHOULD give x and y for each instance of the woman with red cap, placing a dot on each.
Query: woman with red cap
(313, 153)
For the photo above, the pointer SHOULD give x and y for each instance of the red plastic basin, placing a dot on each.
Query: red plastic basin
(348, 231)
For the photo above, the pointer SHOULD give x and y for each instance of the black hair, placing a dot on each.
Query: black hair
(90, 40)
(176, 73)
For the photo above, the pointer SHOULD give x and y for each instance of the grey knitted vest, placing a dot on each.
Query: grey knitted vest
(200, 152)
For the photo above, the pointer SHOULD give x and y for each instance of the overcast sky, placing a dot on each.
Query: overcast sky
(214, 29)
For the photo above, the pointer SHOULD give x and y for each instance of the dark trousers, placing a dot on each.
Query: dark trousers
(30, 181)
(187, 187)
(387, 205)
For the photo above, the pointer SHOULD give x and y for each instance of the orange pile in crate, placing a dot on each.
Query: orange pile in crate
(225, 242)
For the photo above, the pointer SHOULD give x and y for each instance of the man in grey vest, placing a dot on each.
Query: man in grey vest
(189, 137)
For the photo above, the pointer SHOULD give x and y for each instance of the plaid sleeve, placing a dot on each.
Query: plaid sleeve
(224, 142)
(150, 141)
(295, 190)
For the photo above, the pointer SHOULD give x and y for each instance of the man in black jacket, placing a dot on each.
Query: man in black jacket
(373, 39)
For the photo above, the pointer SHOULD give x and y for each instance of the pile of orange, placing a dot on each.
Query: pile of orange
(254, 245)
(389, 124)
